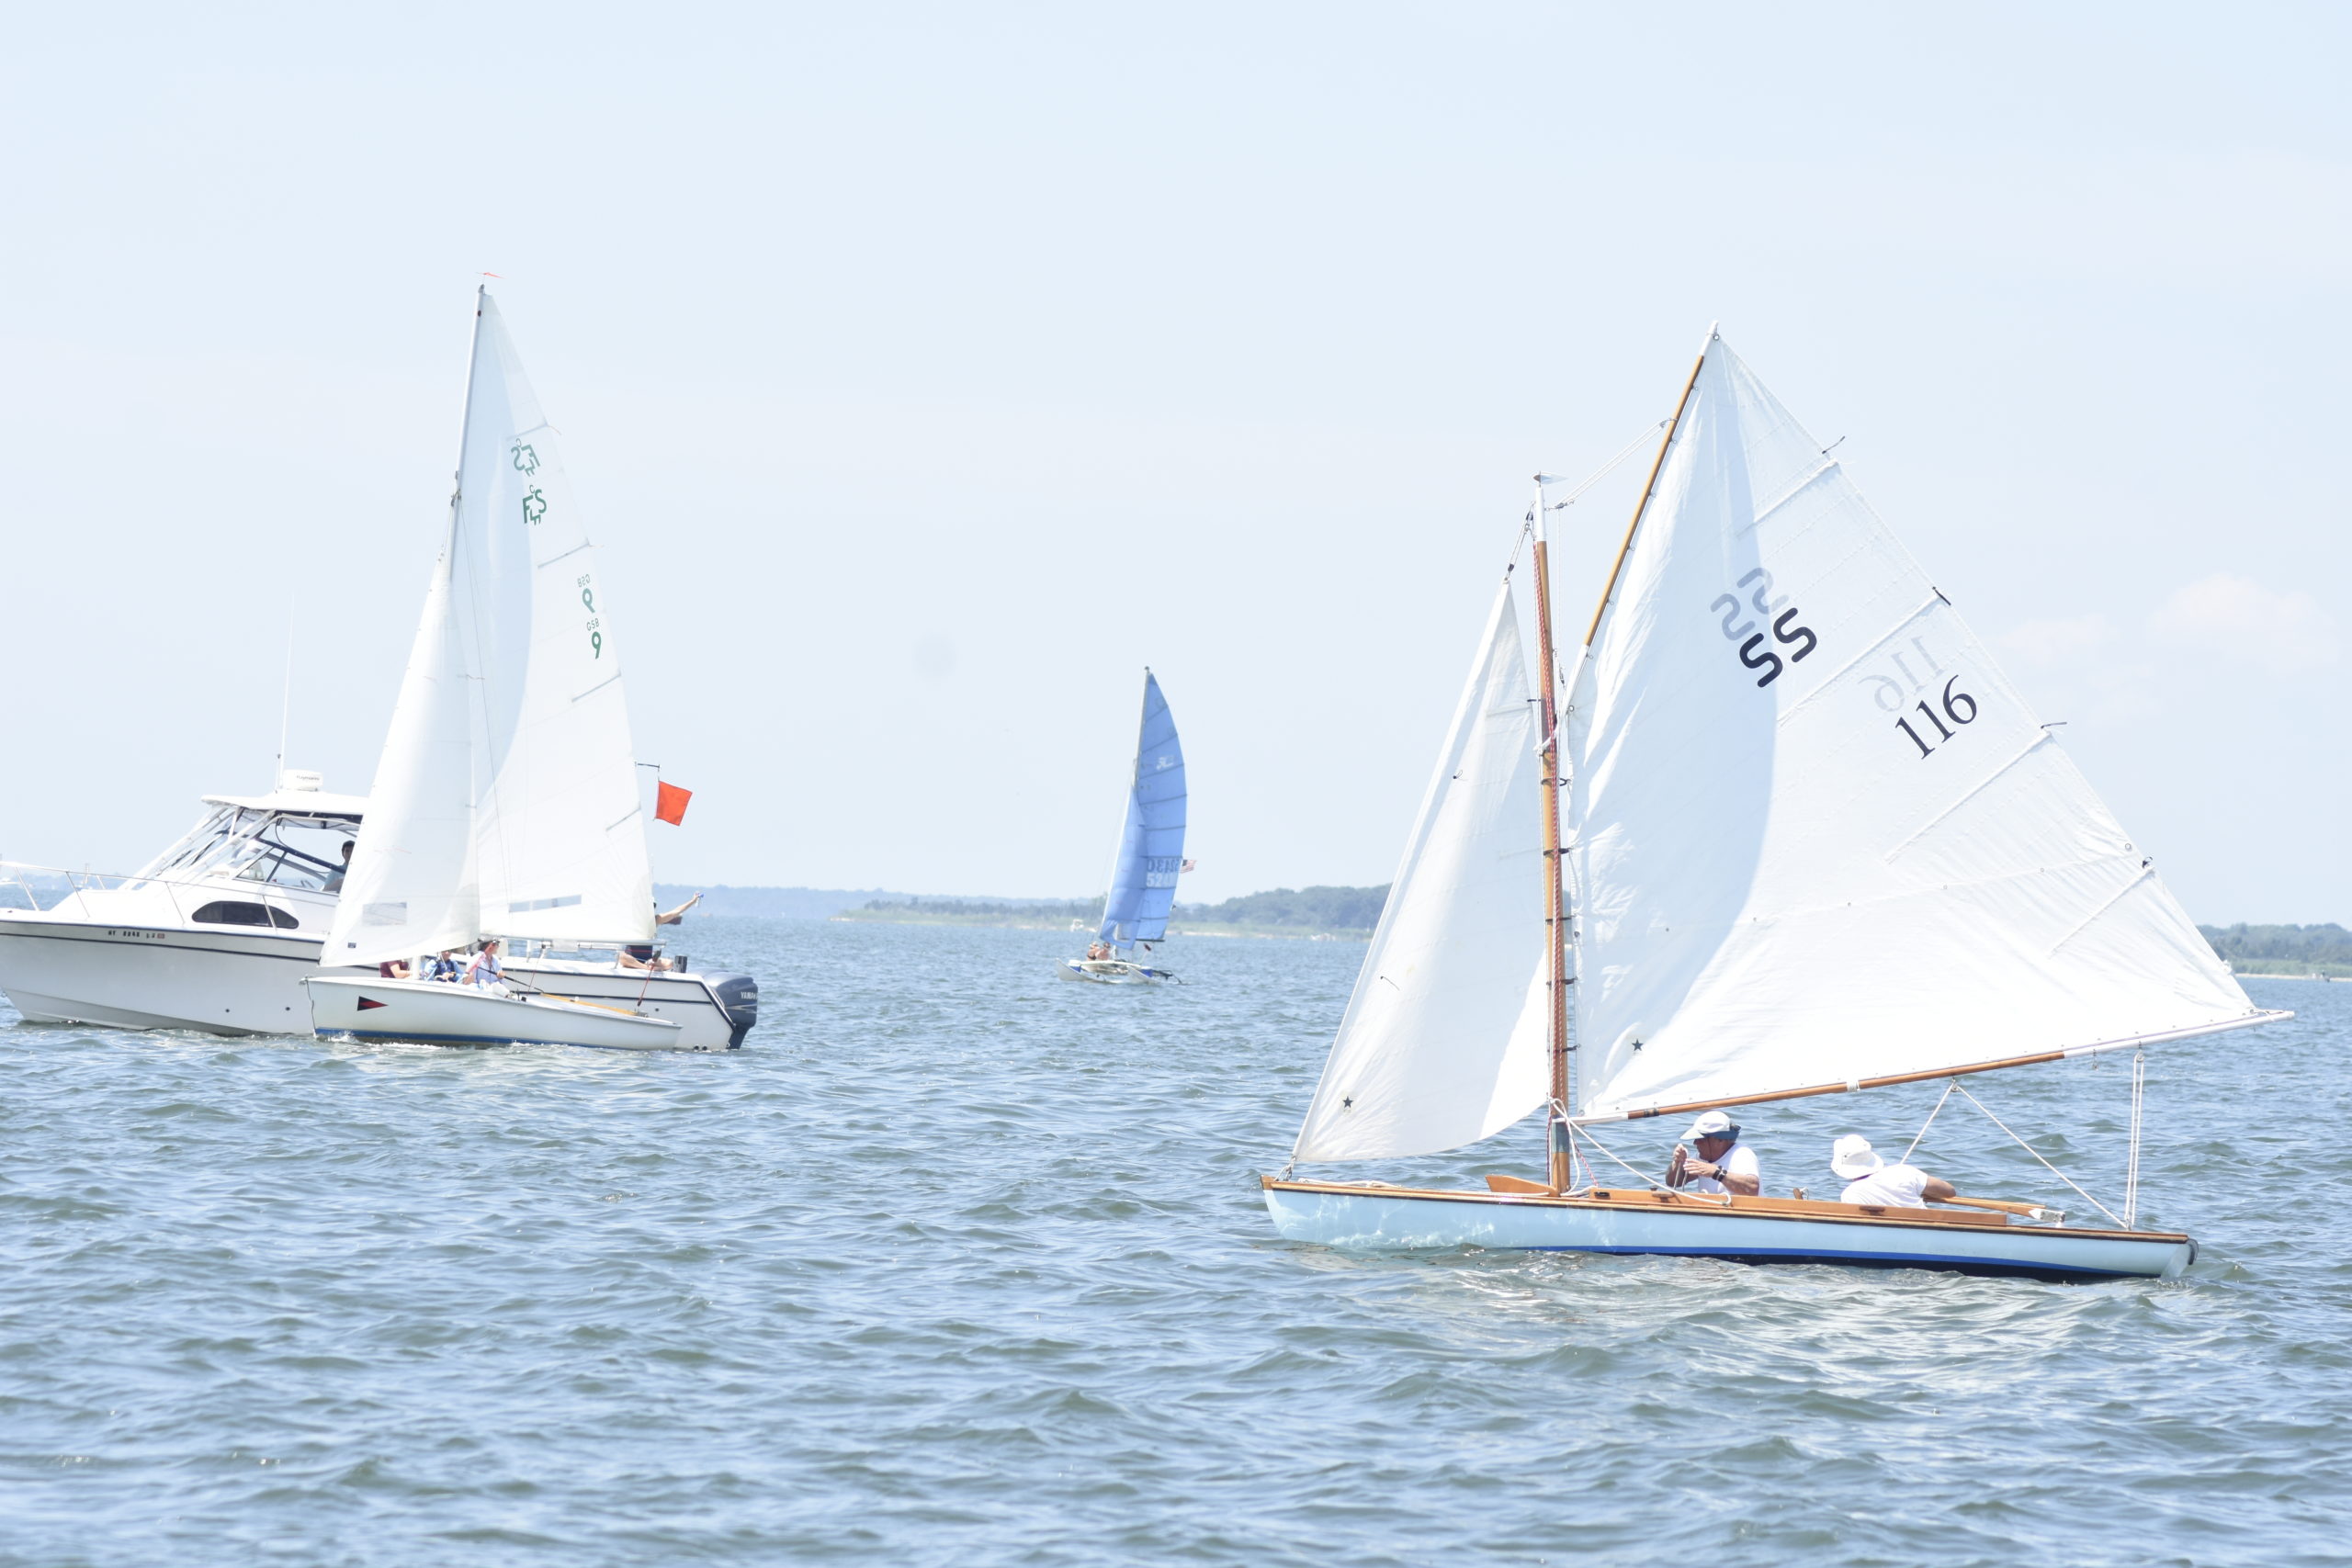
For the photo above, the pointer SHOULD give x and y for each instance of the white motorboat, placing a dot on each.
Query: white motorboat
(218, 932)
(506, 802)
(442, 1013)
(1151, 858)
(215, 933)
(1817, 844)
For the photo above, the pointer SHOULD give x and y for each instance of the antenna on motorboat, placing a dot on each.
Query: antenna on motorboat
(285, 706)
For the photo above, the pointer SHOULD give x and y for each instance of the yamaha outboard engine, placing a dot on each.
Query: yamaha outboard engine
(739, 999)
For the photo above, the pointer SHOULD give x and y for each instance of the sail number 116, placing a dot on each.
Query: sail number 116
(1953, 702)
(1959, 707)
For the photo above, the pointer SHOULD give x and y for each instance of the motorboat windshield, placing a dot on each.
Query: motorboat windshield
(259, 840)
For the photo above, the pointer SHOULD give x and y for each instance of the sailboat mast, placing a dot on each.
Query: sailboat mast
(1555, 904)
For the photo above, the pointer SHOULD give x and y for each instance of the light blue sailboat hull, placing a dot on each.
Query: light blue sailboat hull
(1374, 1217)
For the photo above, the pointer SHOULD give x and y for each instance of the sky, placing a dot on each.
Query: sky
(926, 372)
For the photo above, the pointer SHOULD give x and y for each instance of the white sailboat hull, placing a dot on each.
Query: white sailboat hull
(1374, 1217)
(439, 1014)
(1110, 972)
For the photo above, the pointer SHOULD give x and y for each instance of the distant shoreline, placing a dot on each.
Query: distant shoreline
(1175, 928)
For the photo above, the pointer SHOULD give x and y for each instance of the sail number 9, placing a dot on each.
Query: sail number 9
(588, 597)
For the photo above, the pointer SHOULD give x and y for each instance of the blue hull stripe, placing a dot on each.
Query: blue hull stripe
(1813, 1254)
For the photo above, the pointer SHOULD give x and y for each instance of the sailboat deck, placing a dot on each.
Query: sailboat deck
(1621, 1199)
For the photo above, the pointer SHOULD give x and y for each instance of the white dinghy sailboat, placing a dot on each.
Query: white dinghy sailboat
(1151, 858)
(1816, 843)
(506, 802)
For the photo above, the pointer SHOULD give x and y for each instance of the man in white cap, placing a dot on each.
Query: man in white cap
(1873, 1182)
(1722, 1164)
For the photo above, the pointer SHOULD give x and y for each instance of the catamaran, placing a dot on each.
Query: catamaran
(1149, 859)
(1812, 842)
(506, 802)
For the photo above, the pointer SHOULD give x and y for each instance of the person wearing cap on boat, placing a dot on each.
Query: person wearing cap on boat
(1723, 1163)
(1873, 1182)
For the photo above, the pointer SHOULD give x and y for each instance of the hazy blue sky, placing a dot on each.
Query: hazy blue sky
(927, 371)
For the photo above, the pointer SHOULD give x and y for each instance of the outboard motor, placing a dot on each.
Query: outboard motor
(739, 999)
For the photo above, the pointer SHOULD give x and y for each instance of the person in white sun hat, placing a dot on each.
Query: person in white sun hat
(1873, 1182)
(1722, 1164)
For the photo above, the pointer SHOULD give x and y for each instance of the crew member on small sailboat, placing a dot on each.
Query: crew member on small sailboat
(1872, 1180)
(483, 970)
(1724, 1164)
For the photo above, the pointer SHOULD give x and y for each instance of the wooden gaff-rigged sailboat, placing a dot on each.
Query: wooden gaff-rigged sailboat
(1816, 843)
(1149, 859)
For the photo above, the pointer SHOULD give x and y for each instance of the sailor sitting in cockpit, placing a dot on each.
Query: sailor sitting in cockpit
(483, 970)
(1724, 1164)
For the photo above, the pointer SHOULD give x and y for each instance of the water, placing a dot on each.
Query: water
(960, 1264)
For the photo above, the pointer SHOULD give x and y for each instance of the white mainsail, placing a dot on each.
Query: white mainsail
(505, 801)
(1443, 1040)
(560, 837)
(1818, 837)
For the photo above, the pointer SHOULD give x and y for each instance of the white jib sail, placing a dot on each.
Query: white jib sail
(410, 889)
(559, 834)
(1818, 836)
(1442, 1042)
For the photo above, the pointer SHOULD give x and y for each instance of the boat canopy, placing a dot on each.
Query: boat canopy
(297, 803)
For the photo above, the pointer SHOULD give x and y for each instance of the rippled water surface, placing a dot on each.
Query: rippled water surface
(960, 1264)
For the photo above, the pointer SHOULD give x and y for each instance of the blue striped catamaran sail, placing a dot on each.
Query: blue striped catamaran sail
(1151, 856)
(1151, 845)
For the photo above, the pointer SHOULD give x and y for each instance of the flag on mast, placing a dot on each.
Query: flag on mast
(670, 804)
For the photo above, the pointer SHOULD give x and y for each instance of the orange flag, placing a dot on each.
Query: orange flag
(670, 804)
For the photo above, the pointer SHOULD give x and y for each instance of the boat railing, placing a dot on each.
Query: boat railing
(21, 880)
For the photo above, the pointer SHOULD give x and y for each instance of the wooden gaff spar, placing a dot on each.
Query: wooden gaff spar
(1812, 841)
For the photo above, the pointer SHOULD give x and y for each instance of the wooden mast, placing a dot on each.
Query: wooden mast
(1555, 909)
(1555, 903)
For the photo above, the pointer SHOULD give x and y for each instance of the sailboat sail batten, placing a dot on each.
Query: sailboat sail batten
(1443, 1040)
(1818, 837)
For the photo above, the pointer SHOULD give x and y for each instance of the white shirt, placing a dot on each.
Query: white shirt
(1739, 1160)
(482, 970)
(1891, 1187)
